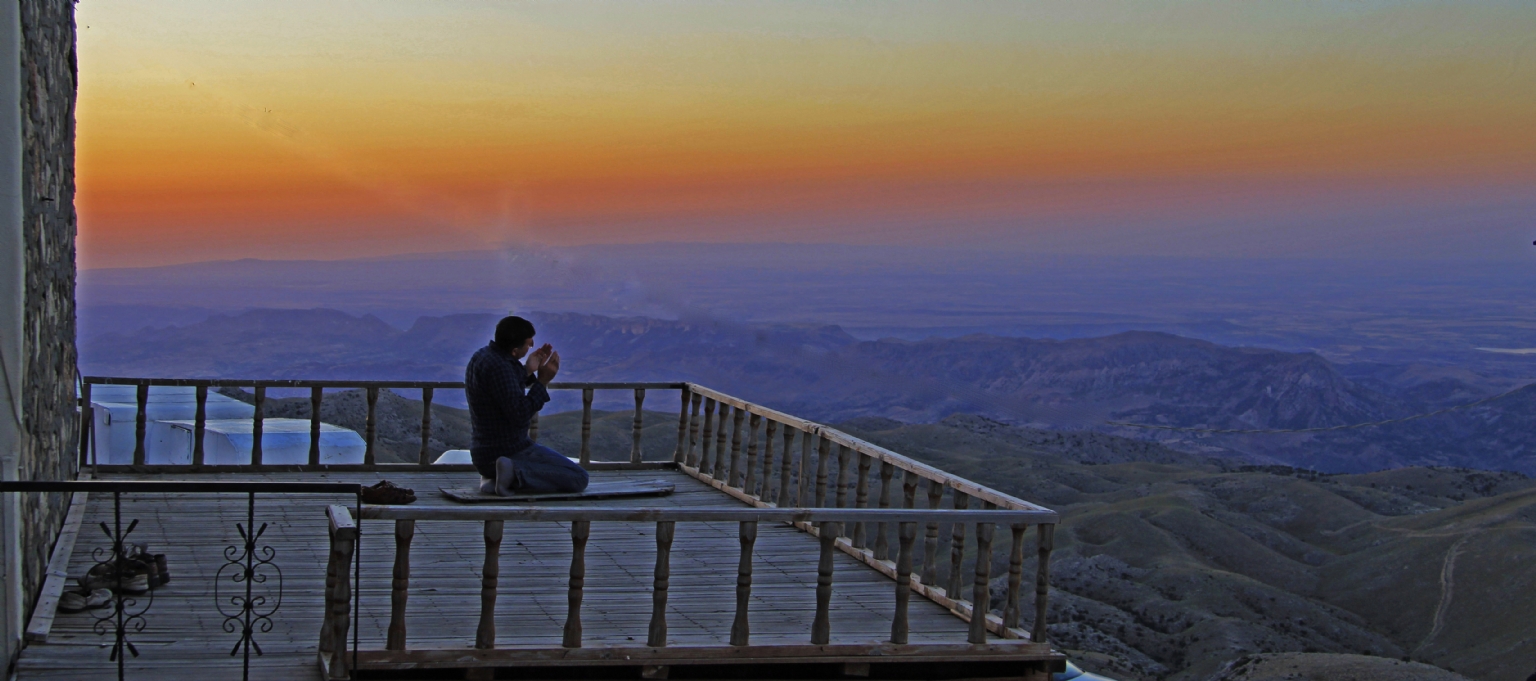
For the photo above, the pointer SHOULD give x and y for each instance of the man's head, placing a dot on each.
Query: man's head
(514, 335)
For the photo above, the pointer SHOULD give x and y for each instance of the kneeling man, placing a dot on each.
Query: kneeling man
(504, 394)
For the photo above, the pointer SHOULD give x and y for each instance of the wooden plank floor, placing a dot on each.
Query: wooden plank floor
(184, 634)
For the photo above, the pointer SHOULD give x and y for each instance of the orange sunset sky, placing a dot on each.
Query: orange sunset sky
(212, 130)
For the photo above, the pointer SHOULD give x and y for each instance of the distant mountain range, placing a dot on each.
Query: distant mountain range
(824, 373)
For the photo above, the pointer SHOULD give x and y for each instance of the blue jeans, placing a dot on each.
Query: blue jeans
(537, 470)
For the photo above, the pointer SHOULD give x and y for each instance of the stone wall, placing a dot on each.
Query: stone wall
(48, 75)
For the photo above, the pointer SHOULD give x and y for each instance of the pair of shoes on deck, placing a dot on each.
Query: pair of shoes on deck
(75, 601)
(386, 492)
(134, 573)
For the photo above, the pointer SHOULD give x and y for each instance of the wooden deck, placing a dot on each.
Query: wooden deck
(184, 634)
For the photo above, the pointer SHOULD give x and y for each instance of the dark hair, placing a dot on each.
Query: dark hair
(512, 332)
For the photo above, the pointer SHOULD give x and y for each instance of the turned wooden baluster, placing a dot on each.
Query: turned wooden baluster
(140, 422)
(722, 441)
(803, 484)
(426, 427)
(899, 626)
(200, 426)
(738, 419)
(1047, 540)
(400, 587)
(586, 426)
(579, 532)
(931, 538)
(749, 482)
(770, 429)
(823, 462)
(784, 470)
(634, 447)
(821, 626)
(692, 457)
(315, 395)
(740, 630)
(861, 500)
(882, 530)
(707, 438)
(1015, 576)
(485, 635)
(533, 428)
(662, 581)
(371, 427)
(343, 532)
(681, 453)
(981, 593)
(957, 550)
(844, 460)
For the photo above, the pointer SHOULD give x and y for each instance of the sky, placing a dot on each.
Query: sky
(304, 130)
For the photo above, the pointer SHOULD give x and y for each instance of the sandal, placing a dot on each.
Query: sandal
(386, 492)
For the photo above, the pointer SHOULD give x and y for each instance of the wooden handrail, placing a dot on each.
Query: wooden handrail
(827, 520)
(542, 513)
(345, 384)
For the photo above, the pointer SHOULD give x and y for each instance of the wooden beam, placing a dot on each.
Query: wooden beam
(57, 576)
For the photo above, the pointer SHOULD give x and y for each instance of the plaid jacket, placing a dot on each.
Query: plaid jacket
(499, 409)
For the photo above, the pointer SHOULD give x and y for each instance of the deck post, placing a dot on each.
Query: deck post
(740, 629)
(399, 590)
(785, 467)
(1015, 576)
(200, 425)
(370, 429)
(882, 532)
(931, 537)
(257, 420)
(586, 426)
(692, 458)
(681, 453)
(861, 500)
(315, 395)
(981, 593)
(707, 438)
(661, 583)
(823, 462)
(957, 548)
(87, 421)
(749, 478)
(1047, 540)
(485, 634)
(426, 426)
(580, 529)
(738, 419)
(899, 625)
(821, 627)
(634, 448)
(141, 422)
(343, 532)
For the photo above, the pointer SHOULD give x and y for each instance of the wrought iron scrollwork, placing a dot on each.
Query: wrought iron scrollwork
(249, 566)
(126, 615)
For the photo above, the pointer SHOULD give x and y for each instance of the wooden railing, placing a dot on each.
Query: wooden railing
(762, 457)
(744, 466)
(317, 390)
(830, 521)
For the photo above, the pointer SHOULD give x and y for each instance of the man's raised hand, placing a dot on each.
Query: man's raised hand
(549, 368)
(538, 357)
